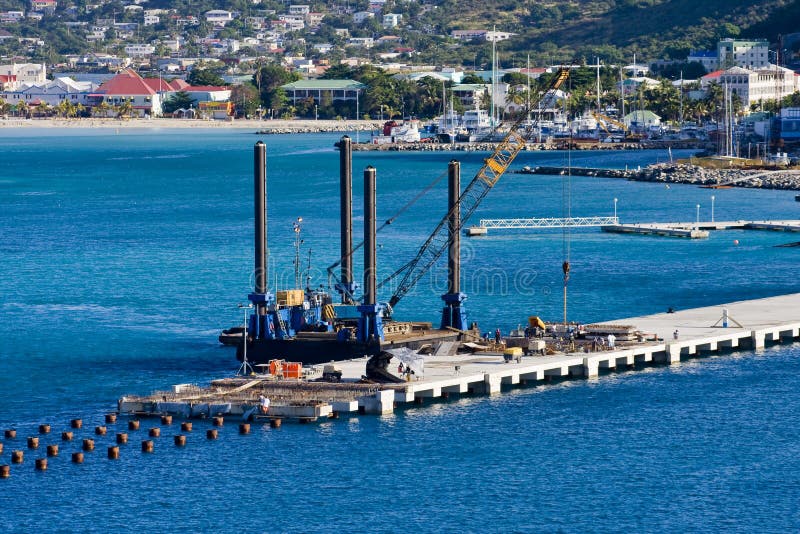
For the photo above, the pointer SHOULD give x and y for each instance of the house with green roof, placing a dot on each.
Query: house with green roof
(336, 90)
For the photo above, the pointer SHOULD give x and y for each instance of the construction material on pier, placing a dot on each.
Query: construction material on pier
(605, 346)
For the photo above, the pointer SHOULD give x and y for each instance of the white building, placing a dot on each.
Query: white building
(391, 20)
(51, 92)
(365, 42)
(756, 86)
(360, 16)
(26, 73)
(151, 20)
(299, 9)
(218, 17)
(742, 53)
(139, 50)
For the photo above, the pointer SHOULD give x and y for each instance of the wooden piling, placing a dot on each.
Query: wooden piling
(44, 429)
(133, 424)
(111, 418)
(212, 433)
(180, 440)
(41, 464)
(33, 443)
(76, 423)
(88, 445)
(122, 438)
(52, 450)
(77, 457)
(147, 446)
(244, 428)
(154, 432)
(17, 457)
(113, 453)
(66, 436)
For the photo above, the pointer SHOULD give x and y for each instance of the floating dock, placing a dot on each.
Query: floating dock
(664, 338)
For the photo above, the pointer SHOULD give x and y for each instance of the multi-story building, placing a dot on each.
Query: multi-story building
(26, 73)
(139, 50)
(758, 86)
(707, 58)
(218, 17)
(742, 53)
(391, 20)
(299, 9)
(360, 16)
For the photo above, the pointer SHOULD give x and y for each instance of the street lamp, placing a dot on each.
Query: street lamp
(243, 369)
(316, 113)
(712, 208)
(697, 218)
(615, 209)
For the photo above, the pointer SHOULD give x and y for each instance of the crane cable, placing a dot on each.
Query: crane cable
(387, 222)
(566, 211)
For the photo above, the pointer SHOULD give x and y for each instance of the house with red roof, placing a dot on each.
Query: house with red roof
(147, 95)
(129, 86)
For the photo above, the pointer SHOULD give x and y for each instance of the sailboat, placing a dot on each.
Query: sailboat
(447, 127)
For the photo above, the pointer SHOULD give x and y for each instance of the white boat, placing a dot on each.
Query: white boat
(394, 132)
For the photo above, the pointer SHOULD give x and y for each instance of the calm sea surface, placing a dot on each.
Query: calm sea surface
(123, 254)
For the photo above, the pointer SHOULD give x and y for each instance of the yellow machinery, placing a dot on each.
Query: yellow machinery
(605, 120)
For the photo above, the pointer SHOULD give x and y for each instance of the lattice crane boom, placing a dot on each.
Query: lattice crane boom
(492, 170)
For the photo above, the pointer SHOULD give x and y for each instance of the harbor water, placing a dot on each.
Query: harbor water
(123, 254)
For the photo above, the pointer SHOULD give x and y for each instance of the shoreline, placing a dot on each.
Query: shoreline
(258, 126)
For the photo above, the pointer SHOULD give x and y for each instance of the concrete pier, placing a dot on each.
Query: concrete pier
(673, 337)
(698, 230)
(699, 332)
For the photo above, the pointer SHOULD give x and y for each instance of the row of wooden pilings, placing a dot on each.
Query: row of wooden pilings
(113, 452)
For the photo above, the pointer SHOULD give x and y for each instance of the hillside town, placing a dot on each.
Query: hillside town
(266, 63)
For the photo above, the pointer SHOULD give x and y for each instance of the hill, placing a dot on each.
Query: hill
(563, 30)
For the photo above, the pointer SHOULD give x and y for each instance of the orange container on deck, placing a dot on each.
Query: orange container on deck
(292, 369)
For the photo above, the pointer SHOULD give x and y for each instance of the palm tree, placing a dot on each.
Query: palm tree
(22, 109)
(5, 107)
(125, 109)
(102, 109)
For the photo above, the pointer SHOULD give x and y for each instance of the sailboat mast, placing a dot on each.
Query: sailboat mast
(598, 84)
(494, 74)
(681, 100)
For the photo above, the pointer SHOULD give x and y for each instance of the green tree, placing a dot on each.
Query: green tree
(179, 100)
(204, 76)
(246, 101)
(270, 78)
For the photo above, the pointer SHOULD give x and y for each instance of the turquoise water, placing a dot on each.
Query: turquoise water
(123, 254)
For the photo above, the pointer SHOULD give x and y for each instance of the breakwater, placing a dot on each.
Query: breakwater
(674, 173)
